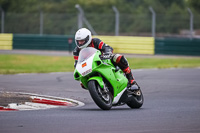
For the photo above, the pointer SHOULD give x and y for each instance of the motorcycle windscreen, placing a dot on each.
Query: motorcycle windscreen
(86, 53)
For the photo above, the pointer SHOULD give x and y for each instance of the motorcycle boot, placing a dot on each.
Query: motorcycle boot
(122, 62)
(129, 76)
(132, 86)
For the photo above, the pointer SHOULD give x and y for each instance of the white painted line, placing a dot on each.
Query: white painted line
(30, 106)
(79, 104)
(50, 101)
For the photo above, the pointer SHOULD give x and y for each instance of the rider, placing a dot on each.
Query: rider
(83, 39)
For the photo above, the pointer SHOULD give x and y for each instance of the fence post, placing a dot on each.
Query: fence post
(153, 28)
(80, 16)
(2, 19)
(85, 20)
(116, 21)
(191, 23)
(41, 22)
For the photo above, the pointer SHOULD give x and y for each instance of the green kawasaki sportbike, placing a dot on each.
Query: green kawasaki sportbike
(106, 83)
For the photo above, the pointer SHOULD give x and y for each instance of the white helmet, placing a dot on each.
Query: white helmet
(84, 35)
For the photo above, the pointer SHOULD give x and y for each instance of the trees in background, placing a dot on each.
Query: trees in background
(135, 17)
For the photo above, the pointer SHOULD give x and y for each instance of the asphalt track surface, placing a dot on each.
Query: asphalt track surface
(172, 105)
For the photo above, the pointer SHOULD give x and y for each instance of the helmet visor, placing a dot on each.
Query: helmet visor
(82, 42)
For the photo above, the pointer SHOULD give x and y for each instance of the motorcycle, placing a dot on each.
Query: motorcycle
(106, 83)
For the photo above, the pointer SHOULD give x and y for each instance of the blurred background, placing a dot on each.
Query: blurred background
(129, 26)
(160, 18)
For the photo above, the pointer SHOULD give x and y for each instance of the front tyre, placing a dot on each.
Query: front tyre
(101, 97)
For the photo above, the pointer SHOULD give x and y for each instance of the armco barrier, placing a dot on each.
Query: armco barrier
(121, 44)
(130, 45)
(6, 41)
(44, 42)
(177, 46)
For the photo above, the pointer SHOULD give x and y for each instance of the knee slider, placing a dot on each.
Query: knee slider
(116, 58)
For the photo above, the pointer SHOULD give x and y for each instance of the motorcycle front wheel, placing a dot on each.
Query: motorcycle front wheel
(101, 97)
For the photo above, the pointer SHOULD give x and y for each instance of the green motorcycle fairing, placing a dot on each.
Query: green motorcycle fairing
(91, 67)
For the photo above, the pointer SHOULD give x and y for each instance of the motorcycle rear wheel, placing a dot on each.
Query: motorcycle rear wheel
(136, 101)
(101, 98)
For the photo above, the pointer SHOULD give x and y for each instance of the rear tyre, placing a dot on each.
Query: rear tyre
(136, 100)
(102, 98)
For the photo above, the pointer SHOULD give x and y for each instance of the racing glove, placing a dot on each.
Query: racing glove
(107, 55)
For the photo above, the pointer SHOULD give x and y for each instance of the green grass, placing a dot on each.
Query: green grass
(12, 64)
(161, 63)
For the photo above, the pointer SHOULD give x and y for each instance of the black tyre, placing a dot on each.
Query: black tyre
(136, 100)
(102, 98)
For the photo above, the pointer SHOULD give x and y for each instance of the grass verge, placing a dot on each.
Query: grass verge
(13, 64)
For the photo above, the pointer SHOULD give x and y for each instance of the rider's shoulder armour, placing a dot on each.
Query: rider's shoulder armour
(98, 44)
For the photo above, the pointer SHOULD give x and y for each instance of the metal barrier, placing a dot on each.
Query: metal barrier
(44, 42)
(121, 44)
(177, 46)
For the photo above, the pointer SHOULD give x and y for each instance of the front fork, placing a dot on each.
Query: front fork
(103, 86)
